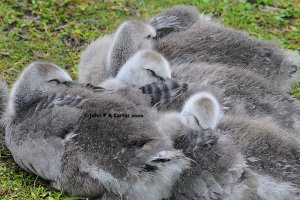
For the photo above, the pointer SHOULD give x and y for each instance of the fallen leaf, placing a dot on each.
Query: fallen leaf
(4, 52)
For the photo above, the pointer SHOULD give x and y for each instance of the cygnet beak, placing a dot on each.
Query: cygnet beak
(70, 83)
(147, 168)
(161, 160)
(96, 88)
(88, 86)
(154, 38)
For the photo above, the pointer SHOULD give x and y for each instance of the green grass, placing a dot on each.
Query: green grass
(58, 31)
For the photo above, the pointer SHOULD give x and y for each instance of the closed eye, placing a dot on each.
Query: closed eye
(197, 121)
(54, 81)
(160, 78)
(154, 74)
(151, 72)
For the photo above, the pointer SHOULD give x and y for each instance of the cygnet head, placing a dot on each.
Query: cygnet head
(145, 67)
(201, 111)
(141, 34)
(129, 38)
(37, 80)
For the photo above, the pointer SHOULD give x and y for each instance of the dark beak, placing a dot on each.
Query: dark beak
(88, 86)
(96, 88)
(70, 83)
(148, 168)
(161, 160)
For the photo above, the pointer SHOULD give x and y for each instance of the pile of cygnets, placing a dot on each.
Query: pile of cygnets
(176, 106)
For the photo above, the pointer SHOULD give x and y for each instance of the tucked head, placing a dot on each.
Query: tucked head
(129, 38)
(141, 33)
(145, 67)
(37, 80)
(201, 111)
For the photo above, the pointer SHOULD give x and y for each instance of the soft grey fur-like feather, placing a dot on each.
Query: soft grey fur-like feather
(175, 19)
(105, 56)
(217, 165)
(239, 88)
(144, 67)
(272, 154)
(92, 65)
(164, 93)
(219, 170)
(268, 149)
(208, 41)
(58, 131)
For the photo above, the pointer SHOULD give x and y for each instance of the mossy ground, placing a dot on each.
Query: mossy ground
(58, 31)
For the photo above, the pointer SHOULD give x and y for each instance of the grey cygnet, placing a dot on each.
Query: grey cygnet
(242, 91)
(88, 143)
(104, 57)
(144, 67)
(270, 169)
(205, 40)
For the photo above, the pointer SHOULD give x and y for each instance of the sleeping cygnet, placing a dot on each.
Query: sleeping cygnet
(144, 67)
(235, 157)
(105, 56)
(218, 165)
(50, 132)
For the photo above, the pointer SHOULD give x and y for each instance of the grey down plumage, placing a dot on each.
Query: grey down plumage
(237, 158)
(205, 60)
(109, 53)
(51, 131)
(243, 92)
(205, 40)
